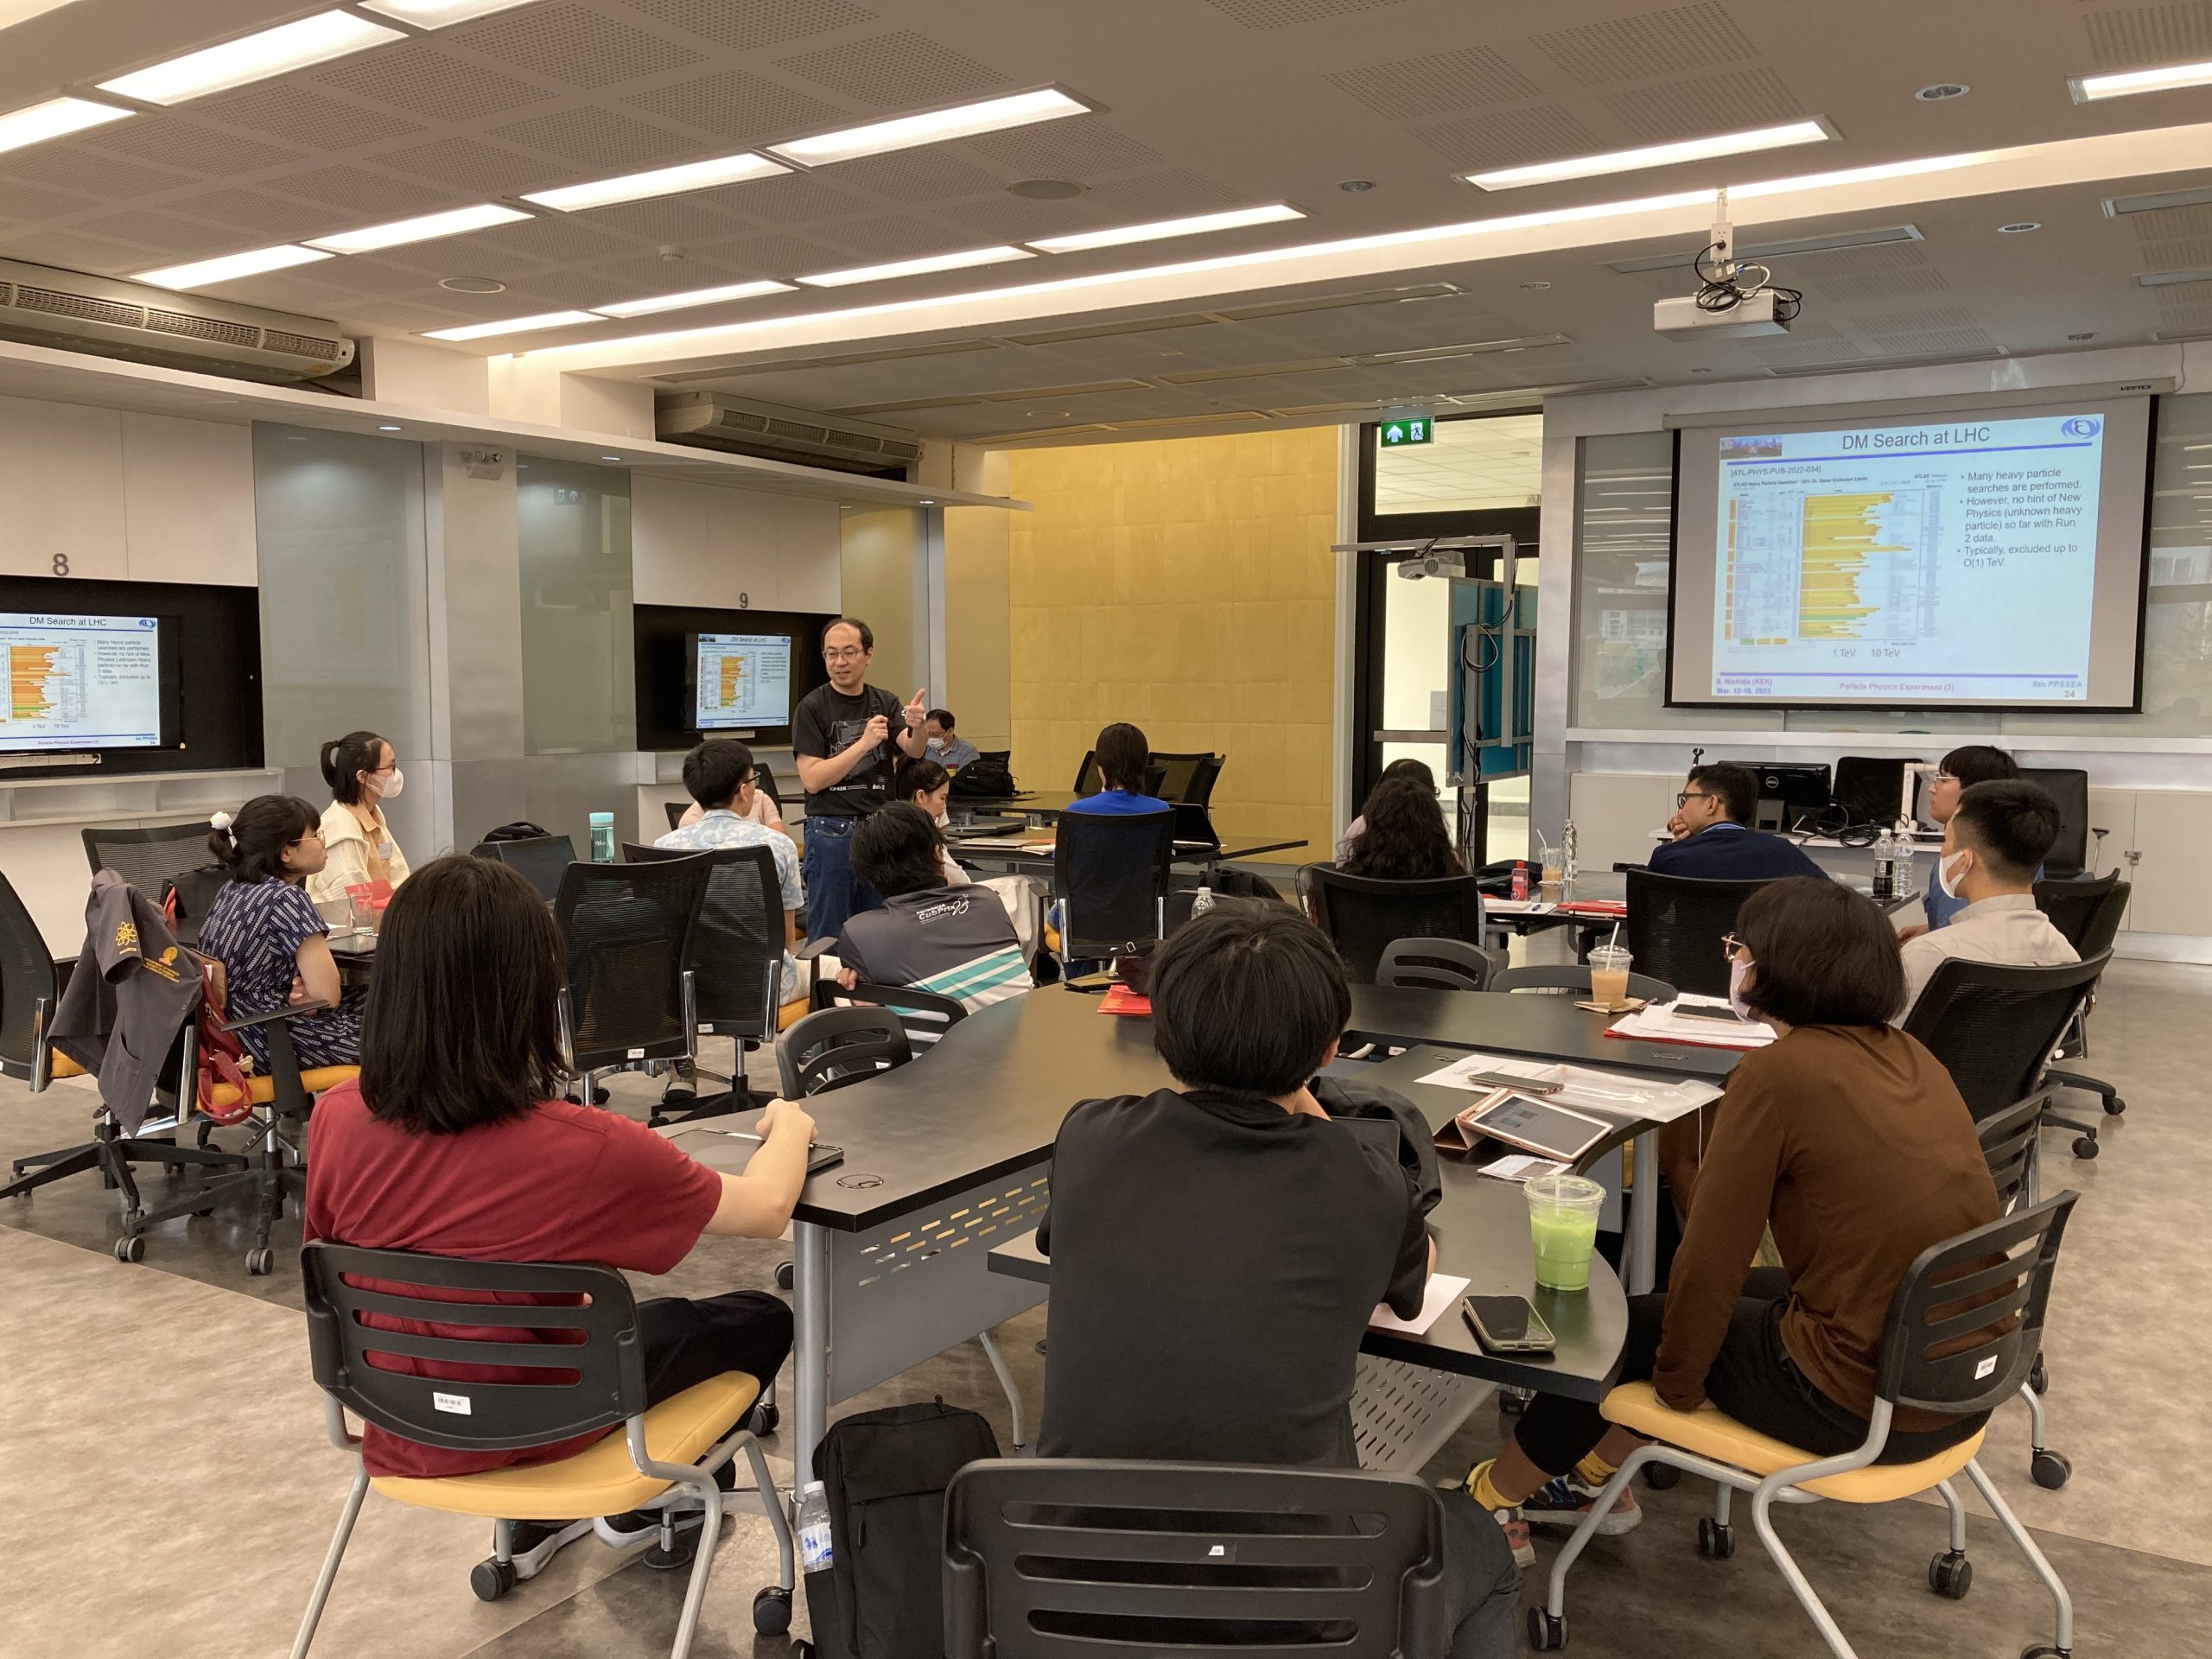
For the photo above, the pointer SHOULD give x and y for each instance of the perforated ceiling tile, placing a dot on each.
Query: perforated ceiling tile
(1082, 147)
(1508, 139)
(1411, 87)
(361, 275)
(898, 70)
(69, 251)
(796, 199)
(1890, 272)
(166, 232)
(2139, 37)
(405, 317)
(600, 140)
(1688, 109)
(350, 196)
(1803, 350)
(2185, 305)
(1871, 285)
(556, 239)
(1673, 42)
(2175, 238)
(744, 107)
(176, 143)
(750, 24)
(643, 274)
(770, 256)
(916, 177)
(481, 169)
(894, 235)
(1283, 14)
(306, 117)
(1915, 334)
(1162, 195)
(22, 201)
(571, 43)
(670, 218)
(70, 167)
(1013, 219)
(419, 77)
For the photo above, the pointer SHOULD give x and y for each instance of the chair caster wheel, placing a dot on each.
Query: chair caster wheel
(2050, 1470)
(600, 1097)
(2038, 1378)
(802, 1648)
(785, 1276)
(1951, 1575)
(1661, 1477)
(2042, 1650)
(259, 1260)
(2085, 1146)
(2114, 1106)
(1716, 1541)
(1547, 1631)
(131, 1248)
(766, 1419)
(492, 1580)
(772, 1610)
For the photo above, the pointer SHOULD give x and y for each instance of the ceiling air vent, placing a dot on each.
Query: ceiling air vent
(106, 316)
(716, 420)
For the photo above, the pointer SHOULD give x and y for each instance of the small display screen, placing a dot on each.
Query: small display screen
(1540, 1126)
(81, 682)
(744, 681)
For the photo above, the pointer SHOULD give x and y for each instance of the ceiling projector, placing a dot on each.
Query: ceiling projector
(1734, 301)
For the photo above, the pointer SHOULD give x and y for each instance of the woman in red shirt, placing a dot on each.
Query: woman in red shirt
(454, 1142)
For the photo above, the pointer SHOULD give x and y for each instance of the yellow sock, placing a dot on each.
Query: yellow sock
(1595, 1469)
(1479, 1487)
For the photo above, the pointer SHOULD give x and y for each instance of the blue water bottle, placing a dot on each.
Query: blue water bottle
(602, 837)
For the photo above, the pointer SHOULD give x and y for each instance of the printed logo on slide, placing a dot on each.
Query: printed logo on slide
(2082, 426)
(1736, 448)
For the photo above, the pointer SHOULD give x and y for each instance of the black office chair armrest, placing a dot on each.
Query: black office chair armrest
(290, 1011)
(812, 949)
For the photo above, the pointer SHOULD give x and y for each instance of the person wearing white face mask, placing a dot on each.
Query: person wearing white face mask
(363, 773)
(1996, 838)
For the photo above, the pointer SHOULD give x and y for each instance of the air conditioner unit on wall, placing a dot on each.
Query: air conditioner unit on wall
(106, 317)
(743, 426)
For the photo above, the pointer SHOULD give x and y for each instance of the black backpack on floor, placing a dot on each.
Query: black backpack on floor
(884, 1475)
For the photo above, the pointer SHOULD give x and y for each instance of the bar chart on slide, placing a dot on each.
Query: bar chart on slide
(1814, 568)
(80, 681)
(45, 683)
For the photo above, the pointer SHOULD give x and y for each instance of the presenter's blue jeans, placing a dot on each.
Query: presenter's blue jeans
(833, 892)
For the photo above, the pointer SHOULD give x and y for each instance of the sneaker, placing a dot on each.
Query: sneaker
(532, 1544)
(1565, 1501)
(1515, 1529)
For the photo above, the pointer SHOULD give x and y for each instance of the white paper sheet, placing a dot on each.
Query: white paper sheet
(1519, 1166)
(1661, 1023)
(1460, 1073)
(1443, 1291)
(1609, 1094)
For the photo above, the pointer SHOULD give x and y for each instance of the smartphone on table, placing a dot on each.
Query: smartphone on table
(1507, 1325)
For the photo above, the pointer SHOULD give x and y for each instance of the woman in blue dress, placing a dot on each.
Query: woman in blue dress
(273, 944)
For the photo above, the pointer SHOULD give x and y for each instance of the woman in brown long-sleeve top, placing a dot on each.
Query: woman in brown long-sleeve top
(1848, 1139)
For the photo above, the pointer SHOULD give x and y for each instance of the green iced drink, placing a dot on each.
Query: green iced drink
(1563, 1229)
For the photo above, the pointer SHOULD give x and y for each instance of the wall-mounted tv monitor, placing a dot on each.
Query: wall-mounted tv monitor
(78, 681)
(1979, 558)
(707, 671)
(741, 682)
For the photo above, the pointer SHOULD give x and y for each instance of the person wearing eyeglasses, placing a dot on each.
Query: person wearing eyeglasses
(847, 738)
(1963, 768)
(1714, 838)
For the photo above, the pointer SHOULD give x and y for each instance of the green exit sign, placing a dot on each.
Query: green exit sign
(1398, 433)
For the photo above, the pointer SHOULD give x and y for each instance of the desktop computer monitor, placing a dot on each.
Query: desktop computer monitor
(1792, 794)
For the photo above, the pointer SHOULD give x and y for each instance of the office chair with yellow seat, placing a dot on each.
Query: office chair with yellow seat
(1938, 1354)
(594, 1380)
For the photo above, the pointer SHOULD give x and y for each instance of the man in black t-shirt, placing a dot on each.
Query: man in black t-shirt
(1218, 1248)
(846, 736)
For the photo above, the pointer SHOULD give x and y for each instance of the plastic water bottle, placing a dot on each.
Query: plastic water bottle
(815, 1553)
(602, 837)
(1885, 865)
(1568, 869)
(1201, 902)
(1901, 869)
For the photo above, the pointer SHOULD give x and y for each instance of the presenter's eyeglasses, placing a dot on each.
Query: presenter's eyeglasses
(844, 654)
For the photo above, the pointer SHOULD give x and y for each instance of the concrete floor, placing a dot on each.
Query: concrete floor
(165, 1489)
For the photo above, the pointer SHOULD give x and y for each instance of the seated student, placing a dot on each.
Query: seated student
(1408, 768)
(272, 942)
(1994, 837)
(1124, 755)
(1403, 837)
(357, 844)
(931, 934)
(1846, 1137)
(1713, 840)
(455, 1142)
(948, 750)
(719, 775)
(1963, 768)
(1218, 1247)
(928, 785)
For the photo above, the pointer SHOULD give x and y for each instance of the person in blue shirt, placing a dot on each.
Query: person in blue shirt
(1124, 755)
(1963, 768)
(1713, 840)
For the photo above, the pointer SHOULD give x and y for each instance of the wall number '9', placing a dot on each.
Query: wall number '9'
(61, 564)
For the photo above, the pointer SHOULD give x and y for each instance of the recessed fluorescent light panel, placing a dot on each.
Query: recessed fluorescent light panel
(904, 132)
(401, 232)
(694, 296)
(2088, 89)
(438, 13)
(1631, 161)
(660, 182)
(515, 325)
(916, 267)
(1198, 225)
(204, 273)
(236, 63)
(36, 123)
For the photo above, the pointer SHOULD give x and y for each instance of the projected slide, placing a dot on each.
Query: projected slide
(81, 682)
(1922, 563)
(744, 679)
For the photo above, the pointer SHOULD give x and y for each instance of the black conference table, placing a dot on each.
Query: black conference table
(945, 1159)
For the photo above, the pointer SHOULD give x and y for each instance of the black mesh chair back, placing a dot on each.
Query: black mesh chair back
(1870, 787)
(1051, 1558)
(1966, 1324)
(1187, 778)
(924, 1015)
(1574, 977)
(829, 1049)
(2008, 1143)
(1436, 965)
(1364, 915)
(2069, 787)
(676, 809)
(737, 943)
(28, 988)
(627, 931)
(1996, 1027)
(1675, 926)
(544, 860)
(149, 859)
(592, 1376)
(2087, 913)
(1109, 871)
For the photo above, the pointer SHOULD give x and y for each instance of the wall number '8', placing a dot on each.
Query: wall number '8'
(61, 564)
